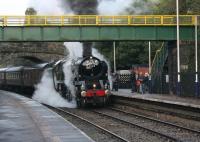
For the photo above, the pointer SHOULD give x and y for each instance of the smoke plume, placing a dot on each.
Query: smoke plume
(83, 7)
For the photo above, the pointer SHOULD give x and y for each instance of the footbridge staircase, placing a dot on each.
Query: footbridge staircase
(158, 68)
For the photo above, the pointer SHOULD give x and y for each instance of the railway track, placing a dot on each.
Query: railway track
(139, 126)
(156, 120)
(62, 110)
(113, 121)
(161, 109)
(107, 122)
(176, 132)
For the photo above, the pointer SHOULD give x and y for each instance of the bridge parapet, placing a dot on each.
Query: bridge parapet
(97, 20)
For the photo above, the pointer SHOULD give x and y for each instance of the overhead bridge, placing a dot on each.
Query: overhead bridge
(96, 28)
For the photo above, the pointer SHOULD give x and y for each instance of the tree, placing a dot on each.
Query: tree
(30, 11)
(185, 7)
(129, 53)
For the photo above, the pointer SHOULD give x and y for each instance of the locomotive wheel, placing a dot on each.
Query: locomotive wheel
(104, 101)
(78, 103)
(83, 103)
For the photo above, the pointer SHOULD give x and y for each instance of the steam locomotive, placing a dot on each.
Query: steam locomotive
(89, 79)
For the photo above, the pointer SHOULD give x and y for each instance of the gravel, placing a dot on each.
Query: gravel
(128, 132)
(193, 124)
(181, 134)
(93, 132)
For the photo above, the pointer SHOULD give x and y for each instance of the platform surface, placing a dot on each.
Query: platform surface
(24, 120)
(165, 98)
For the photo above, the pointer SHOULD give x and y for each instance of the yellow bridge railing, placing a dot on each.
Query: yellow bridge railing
(94, 20)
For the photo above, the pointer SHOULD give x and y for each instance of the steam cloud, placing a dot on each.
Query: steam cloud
(113, 7)
(83, 7)
(45, 91)
(48, 7)
(75, 52)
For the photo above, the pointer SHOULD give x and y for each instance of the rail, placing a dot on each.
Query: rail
(97, 20)
(89, 122)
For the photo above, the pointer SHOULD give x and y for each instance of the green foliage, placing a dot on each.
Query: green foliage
(169, 6)
(30, 11)
(142, 6)
(129, 53)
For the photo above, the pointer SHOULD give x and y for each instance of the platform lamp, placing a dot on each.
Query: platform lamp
(178, 89)
(149, 66)
(196, 58)
(114, 56)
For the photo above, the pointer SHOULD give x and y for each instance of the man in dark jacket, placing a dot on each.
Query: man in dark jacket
(133, 81)
(115, 79)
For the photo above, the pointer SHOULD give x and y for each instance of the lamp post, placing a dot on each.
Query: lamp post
(114, 56)
(149, 67)
(196, 59)
(178, 91)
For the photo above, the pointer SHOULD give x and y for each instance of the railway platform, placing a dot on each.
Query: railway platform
(163, 98)
(25, 120)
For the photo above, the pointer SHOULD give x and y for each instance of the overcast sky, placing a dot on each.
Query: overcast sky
(18, 7)
(13, 7)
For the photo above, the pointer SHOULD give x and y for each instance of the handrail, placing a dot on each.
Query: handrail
(156, 55)
(97, 20)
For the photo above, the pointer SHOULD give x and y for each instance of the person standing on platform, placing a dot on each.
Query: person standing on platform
(115, 81)
(145, 82)
(141, 78)
(137, 82)
(133, 82)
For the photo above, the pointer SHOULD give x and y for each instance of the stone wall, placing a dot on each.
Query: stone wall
(14, 53)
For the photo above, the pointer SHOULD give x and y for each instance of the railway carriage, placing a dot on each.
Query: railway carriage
(21, 78)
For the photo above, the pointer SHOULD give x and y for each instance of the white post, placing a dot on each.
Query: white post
(114, 58)
(149, 57)
(196, 58)
(196, 46)
(150, 67)
(178, 47)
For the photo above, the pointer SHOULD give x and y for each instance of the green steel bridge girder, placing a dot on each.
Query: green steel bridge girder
(94, 33)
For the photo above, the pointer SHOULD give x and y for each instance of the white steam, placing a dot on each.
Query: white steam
(75, 51)
(113, 7)
(45, 93)
(48, 7)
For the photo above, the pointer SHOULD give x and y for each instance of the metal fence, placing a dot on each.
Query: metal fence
(124, 81)
(97, 20)
(166, 80)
